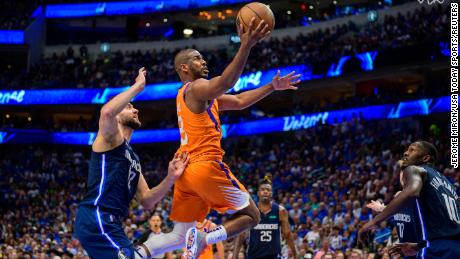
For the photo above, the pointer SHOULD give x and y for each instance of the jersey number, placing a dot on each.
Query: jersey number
(131, 176)
(451, 208)
(266, 236)
(401, 229)
(183, 135)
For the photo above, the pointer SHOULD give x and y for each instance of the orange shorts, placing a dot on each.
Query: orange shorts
(207, 253)
(207, 185)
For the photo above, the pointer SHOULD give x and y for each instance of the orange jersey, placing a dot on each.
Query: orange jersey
(207, 182)
(205, 226)
(200, 133)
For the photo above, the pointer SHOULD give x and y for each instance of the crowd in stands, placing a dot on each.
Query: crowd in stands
(16, 15)
(323, 176)
(416, 35)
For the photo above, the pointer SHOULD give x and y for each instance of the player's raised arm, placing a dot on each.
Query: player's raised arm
(248, 98)
(108, 126)
(205, 90)
(149, 197)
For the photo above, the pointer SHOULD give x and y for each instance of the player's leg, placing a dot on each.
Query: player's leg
(171, 241)
(101, 235)
(187, 209)
(216, 184)
(244, 219)
(240, 221)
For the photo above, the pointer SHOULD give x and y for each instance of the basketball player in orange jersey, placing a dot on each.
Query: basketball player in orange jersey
(208, 182)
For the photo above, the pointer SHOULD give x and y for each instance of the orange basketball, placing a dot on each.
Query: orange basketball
(257, 10)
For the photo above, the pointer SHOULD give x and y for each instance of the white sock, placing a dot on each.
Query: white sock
(216, 235)
(165, 243)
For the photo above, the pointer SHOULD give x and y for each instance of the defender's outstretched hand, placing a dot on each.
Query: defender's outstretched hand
(376, 206)
(286, 82)
(140, 79)
(177, 165)
(404, 249)
(370, 225)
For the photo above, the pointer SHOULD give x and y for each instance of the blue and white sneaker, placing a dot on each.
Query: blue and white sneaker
(195, 243)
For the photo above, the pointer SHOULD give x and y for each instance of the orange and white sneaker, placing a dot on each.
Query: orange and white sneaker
(195, 243)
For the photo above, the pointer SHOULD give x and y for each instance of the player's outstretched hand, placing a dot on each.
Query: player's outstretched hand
(370, 225)
(177, 165)
(254, 34)
(376, 206)
(140, 79)
(286, 82)
(404, 249)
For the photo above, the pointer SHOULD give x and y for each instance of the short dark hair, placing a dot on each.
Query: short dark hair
(182, 58)
(429, 149)
(266, 180)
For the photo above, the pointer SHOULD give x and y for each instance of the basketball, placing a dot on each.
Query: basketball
(257, 10)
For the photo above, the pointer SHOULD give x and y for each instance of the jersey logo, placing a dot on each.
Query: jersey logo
(402, 217)
(266, 227)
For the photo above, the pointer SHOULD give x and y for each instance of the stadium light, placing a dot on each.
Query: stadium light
(105, 47)
(188, 32)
